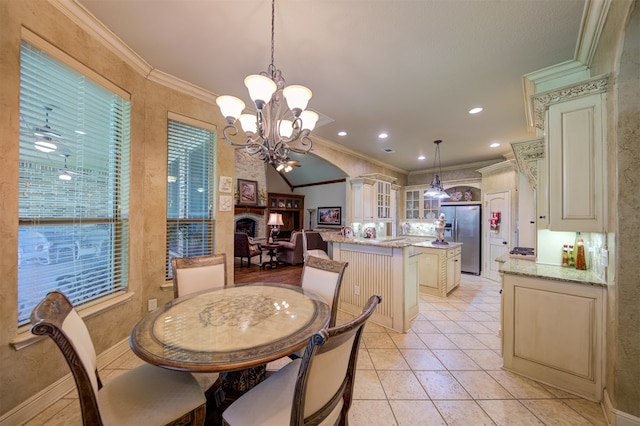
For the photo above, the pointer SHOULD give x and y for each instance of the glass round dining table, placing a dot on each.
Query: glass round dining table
(230, 328)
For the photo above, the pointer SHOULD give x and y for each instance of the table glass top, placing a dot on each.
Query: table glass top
(230, 327)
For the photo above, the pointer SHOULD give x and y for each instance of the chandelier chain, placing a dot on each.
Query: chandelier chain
(273, 31)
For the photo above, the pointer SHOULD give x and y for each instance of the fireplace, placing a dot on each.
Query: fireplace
(254, 225)
(246, 225)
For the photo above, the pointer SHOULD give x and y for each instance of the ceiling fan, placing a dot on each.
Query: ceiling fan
(47, 140)
(287, 166)
(65, 173)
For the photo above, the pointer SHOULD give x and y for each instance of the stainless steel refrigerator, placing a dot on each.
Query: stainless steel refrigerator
(463, 226)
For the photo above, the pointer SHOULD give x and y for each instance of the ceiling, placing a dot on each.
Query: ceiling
(409, 68)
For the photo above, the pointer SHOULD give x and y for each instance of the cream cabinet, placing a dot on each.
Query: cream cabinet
(574, 121)
(373, 199)
(439, 271)
(419, 206)
(454, 270)
(553, 332)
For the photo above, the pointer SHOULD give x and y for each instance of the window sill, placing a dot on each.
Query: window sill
(26, 338)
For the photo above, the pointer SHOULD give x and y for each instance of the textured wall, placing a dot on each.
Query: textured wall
(25, 372)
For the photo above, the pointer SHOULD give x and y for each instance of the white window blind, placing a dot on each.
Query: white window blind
(74, 195)
(190, 205)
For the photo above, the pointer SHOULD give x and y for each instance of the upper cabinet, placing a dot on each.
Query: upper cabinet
(574, 120)
(373, 199)
(417, 205)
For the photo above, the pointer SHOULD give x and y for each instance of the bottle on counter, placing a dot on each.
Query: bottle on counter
(581, 262)
(565, 255)
(572, 259)
(574, 248)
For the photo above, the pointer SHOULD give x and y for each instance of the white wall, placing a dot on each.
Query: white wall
(331, 195)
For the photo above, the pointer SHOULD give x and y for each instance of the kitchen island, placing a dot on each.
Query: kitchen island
(553, 325)
(388, 266)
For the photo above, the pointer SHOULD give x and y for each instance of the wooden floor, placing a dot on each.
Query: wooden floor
(285, 274)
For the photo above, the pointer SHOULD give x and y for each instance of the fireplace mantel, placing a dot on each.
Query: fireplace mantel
(250, 209)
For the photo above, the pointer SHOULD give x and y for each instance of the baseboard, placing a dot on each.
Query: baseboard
(616, 417)
(48, 396)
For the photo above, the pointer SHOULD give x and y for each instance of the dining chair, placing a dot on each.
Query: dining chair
(145, 395)
(313, 252)
(193, 274)
(315, 389)
(324, 277)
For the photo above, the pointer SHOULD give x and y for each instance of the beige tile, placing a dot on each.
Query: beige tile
(126, 361)
(371, 413)
(592, 411)
(408, 341)
(509, 413)
(474, 327)
(448, 327)
(377, 340)
(437, 341)
(559, 393)
(492, 340)
(423, 327)
(462, 413)
(388, 359)
(441, 385)
(411, 413)
(519, 386)
(444, 306)
(457, 316)
(421, 359)
(61, 413)
(481, 385)
(367, 385)
(455, 359)
(466, 341)
(364, 360)
(401, 385)
(485, 358)
(480, 316)
(553, 412)
(371, 327)
(435, 316)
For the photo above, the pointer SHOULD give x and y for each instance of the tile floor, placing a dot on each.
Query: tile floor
(445, 371)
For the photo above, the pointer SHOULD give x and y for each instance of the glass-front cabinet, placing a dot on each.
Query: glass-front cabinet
(384, 200)
(417, 205)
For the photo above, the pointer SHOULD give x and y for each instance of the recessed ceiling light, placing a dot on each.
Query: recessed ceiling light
(422, 157)
(383, 135)
(475, 110)
(494, 145)
(342, 133)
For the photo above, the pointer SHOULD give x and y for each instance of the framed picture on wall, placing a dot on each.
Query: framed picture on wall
(329, 216)
(247, 192)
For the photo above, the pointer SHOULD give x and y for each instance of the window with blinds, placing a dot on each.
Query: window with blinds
(190, 171)
(74, 182)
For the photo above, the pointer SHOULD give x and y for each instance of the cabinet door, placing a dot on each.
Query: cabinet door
(412, 205)
(542, 195)
(576, 165)
(453, 272)
(429, 272)
(383, 200)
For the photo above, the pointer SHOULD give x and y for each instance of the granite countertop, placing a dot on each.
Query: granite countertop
(529, 268)
(390, 242)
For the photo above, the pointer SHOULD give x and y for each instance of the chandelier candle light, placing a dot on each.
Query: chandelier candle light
(272, 130)
(437, 190)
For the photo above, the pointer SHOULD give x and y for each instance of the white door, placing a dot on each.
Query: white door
(497, 233)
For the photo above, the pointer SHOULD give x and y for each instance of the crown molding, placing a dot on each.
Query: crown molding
(80, 16)
(542, 100)
(526, 153)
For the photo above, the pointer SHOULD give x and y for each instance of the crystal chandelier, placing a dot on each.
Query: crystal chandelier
(272, 132)
(437, 190)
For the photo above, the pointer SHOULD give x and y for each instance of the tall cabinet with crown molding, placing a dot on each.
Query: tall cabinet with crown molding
(574, 121)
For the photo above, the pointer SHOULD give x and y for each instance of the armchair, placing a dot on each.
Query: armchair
(243, 247)
(292, 251)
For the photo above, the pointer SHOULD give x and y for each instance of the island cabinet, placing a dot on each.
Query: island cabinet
(387, 269)
(553, 332)
(574, 121)
(439, 270)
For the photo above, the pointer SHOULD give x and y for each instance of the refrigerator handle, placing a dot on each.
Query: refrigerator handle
(455, 229)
